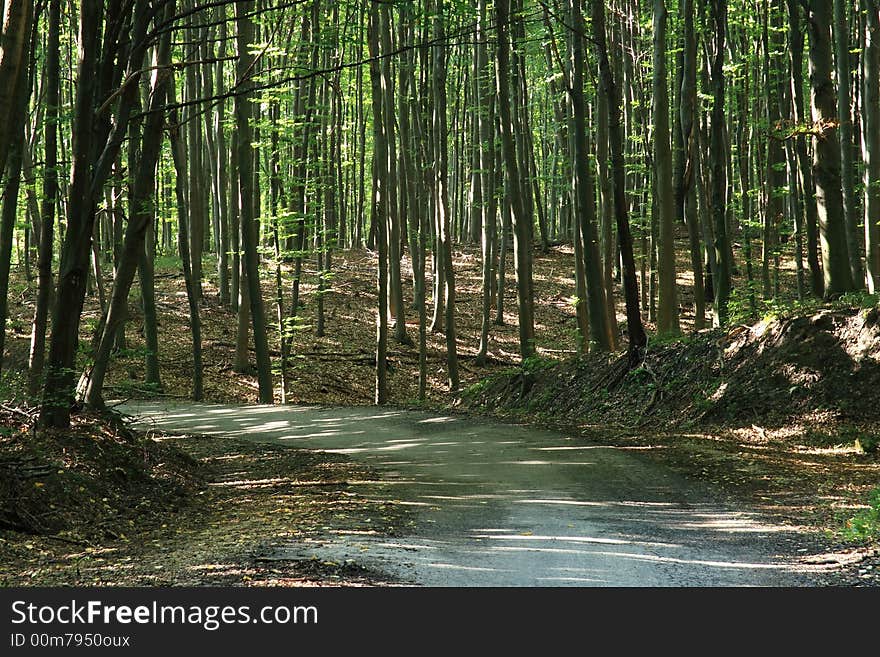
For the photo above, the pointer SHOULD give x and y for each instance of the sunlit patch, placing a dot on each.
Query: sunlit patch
(580, 580)
(574, 539)
(454, 566)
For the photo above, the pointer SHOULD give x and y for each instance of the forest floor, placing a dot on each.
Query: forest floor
(775, 437)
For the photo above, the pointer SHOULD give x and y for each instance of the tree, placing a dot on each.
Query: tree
(718, 163)
(243, 116)
(95, 144)
(638, 339)
(17, 17)
(847, 160)
(522, 228)
(37, 354)
(826, 154)
(380, 203)
(586, 236)
(871, 141)
(667, 311)
(141, 217)
(691, 156)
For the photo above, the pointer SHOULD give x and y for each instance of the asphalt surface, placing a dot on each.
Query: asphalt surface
(500, 505)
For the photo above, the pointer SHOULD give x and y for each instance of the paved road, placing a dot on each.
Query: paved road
(497, 505)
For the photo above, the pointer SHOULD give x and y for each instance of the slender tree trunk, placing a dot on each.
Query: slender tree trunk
(775, 165)
(485, 103)
(9, 212)
(826, 154)
(585, 230)
(718, 163)
(441, 173)
(871, 141)
(847, 158)
(17, 19)
(192, 294)
(243, 116)
(379, 204)
(638, 340)
(667, 312)
(50, 197)
(691, 173)
(521, 221)
(805, 172)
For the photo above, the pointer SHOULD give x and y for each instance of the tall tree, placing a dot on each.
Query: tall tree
(806, 184)
(585, 227)
(379, 205)
(17, 17)
(667, 310)
(243, 117)
(638, 339)
(96, 141)
(847, 160)
(522, 222)
(441, 173)
(826, 153)
(718, 163)
(141, 217)
(691, 157)
(50, 195)
(871, 141)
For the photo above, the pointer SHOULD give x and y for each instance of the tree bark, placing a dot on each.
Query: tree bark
(638, 339)
(50, 195)
(522, 246)
(871, 142)
(667, 310)
(826, 154)
(847, 159)
(243, 116)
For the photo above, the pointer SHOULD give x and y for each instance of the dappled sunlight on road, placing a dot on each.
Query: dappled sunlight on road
(488, 512)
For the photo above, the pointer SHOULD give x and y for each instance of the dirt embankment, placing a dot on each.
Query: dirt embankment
(103, 505)
(805, 371)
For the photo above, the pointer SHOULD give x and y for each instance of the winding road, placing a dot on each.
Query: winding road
(500, 505)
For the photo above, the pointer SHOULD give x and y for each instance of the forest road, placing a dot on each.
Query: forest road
(501, 505)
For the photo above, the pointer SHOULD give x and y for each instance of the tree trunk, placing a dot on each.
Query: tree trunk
(638, 340)
(826, 154)
(243, 116)
(9, 212)
(522, 246)
(718, 164)
(50, 196)
(379, 205)
(17, 19)
(847, 159)
(441, 173)
(667, 311)
(585, 226)
(871, 142)
(96, 144)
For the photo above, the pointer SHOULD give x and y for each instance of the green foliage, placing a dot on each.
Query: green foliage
(476, 388)
(865, 525)
(535, 364)
(13, 387)
(858, 299)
